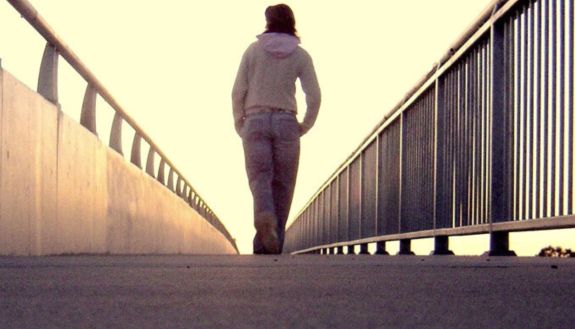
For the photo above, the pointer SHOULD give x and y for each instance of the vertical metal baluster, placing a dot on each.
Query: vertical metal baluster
(415, 133)
(400, 160)
(561, 108)
(336, 210)
(376, 196)
(545, 108)
(429, 160)
(552, 95)
(511, 125)
(524, 113)
(450, 148)
(478, 135)
(457, 145)
(360, 194)
(472, 101)
(570, 108)
(484, 132)
(536, 94)
(424, 161)
(348, 196)
(416, 167)
(469, 137)
(465, 131)
(530, 108)
(411, 136)
(489, 128)
(460, 140)
(327, 214)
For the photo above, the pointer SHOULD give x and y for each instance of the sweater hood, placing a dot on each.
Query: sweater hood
(280, 45)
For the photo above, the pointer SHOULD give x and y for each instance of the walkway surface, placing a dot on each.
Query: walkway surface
(309, 291)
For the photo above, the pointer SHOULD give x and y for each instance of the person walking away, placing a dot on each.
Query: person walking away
(264, 111)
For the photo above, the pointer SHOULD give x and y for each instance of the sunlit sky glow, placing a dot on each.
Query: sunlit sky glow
(171, 64)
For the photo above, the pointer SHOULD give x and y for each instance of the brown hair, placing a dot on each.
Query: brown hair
(280, 19)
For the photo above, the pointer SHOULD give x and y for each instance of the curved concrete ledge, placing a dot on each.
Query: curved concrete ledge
(63, 192)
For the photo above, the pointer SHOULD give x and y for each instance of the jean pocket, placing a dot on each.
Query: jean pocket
(288, 128)
(252, 125)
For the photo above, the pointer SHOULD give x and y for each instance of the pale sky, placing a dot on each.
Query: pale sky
(171, 65)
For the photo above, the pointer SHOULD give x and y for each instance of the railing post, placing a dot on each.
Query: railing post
(499, 244)
(405, 247)
(189, 198)
(170, 184)
(136, 156)
(442, 246)
(499, 241)
(116, 134)
(351, 250)
(179, 186)
(363, 249)
(88, 115)
(48, 77)
(380, 248)
(150, 162)
(161, 170)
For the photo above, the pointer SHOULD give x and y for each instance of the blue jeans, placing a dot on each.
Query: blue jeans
(271, 146)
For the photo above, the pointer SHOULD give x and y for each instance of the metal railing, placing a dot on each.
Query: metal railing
(48, 87)
(482, 144)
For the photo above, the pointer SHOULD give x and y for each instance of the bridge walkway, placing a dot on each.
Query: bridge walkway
(307, 291)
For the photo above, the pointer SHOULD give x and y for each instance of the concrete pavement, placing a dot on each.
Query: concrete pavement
(308, 291)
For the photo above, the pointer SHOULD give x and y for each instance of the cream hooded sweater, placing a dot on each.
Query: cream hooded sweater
(266, 78)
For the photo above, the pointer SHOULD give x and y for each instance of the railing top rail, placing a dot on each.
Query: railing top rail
(484, 18)
(28, 12)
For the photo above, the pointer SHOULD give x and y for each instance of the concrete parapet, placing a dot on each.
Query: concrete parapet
(63, 191)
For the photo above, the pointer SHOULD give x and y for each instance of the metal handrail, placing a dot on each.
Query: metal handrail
(29, 13)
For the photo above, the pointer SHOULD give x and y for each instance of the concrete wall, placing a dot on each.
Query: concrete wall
(63, 191)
